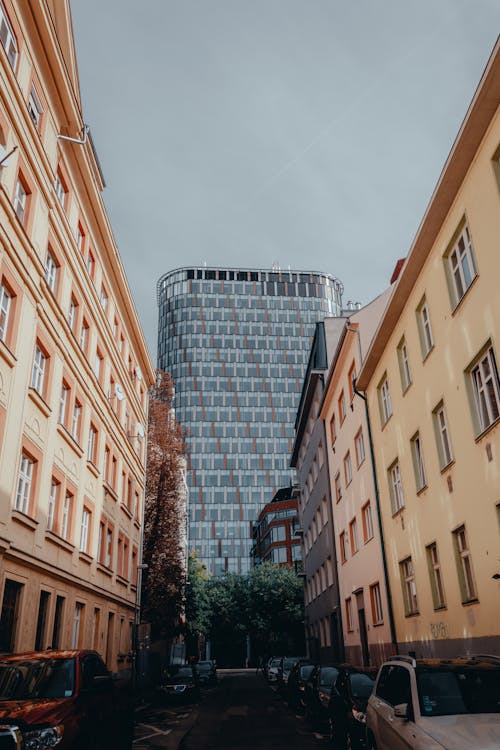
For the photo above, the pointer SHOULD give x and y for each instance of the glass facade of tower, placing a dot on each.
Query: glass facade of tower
(237, 343)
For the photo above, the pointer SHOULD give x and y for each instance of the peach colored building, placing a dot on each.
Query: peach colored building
(364, 604)
(432, 382)
(74, 368)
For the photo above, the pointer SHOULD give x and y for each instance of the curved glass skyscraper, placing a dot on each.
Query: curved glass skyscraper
(237, 344)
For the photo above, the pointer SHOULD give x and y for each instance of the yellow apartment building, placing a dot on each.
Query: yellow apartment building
(432, 382)
(74, 367)
(364, 601)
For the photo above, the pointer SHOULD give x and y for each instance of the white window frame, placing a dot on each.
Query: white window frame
(343, 546)
(5, 307)
(53, 499)
(84, 336)
(91, 446)
(385, 401)
(76, 624)
(24, 484)
(348, 468)
(20, 200)
(465, 559)
(84, 529)
(338, 487)
(462, 266)
(437, 579)
(408, 573)
(72, 313)
(353, 535)
(424, 320)
(38, 371)
(443, 435)
(397, 494)
(7, 37)
(66, 515)
(360, 447)
(59, 188)
(486, 389)
(368, 521)
(376, 602)
(108, 549)
(35, 106)
(418, 461)
(63, 403)
(349, 615)
(51, 272)
(76, 421)
(404, 365)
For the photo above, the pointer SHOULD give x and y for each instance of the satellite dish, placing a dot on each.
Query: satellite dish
(119, 392)
(138, 373)
(140, 430)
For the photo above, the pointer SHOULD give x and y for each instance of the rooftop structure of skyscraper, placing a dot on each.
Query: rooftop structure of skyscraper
(237, 343)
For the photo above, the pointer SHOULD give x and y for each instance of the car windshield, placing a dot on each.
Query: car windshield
(288, 663)
(328, 676)
(458, 691)
(184, 672)
(275, 663)
(204, 666)
(305, 672)
(361, 685)
(37, 678)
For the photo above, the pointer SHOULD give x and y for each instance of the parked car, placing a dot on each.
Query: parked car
(346, 712)
(286, 666)
(183, 684)
(296, 686)
(66, 699)
(435, 704)
(273, 669)
(318, 690)
(207, 671)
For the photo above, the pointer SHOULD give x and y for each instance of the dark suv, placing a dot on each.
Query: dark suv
(435, 704)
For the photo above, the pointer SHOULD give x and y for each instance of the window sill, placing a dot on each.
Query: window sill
(93, 468)
(487, 430)
(378, 624)
(66, 435)
(412, 614)
(85, 557)
(24, 519)
(109, 491)
(398, 512)
(51, 536)
(137, 523)
(384, 424)
(448, 466)
(120, 579)
(7, 354)
(422, 489)
(427, 354)
(407, 388)
(104, 569)
(443, 608)
(368, 539)
(39, 401)
(458, 305)
(469, 602)
(126, 510)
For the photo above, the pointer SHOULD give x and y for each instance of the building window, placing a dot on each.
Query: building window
(60, 189)
(464, 565)
(353, 535)
(486, 390)
(103, 298)
(63, 404)
(7, 37)
(404, 365)
(98, 365)
(66, 515)
(39, 368)
(396, 488)
(21, 199)
(55, 489)
(385, 403)
(77, 622)
(108, 548)
(84, 530)
(367, 517)
(409, 587)
(35, 106)
(342, 408)
(347, 468)
(92, 445)
(25, 483)
(442, 436)
(333, 429)
(338, 487)
(84, 336)
(5, 310)
(461, 269)
(72, 313)
(424, 328)
(80, 238)
(435, 576)
(41, 624)
(348, 615)
(9, 615)
(76, 421)
(360, 447)
(418, 462)
(58, 620)
(91, 264)
(376, 602)
(343, 547)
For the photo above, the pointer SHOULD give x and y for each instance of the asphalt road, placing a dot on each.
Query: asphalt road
(244, 712)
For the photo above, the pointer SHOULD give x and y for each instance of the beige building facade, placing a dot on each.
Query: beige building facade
(432, 383)
(364, 601)
(74, 367)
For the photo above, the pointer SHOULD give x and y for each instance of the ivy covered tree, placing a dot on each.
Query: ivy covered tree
(164, 515)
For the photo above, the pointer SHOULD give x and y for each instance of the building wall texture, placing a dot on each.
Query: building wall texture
(74, 369)
(432, 382)
(236, 343)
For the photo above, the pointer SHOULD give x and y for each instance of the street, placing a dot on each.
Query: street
(241, 712)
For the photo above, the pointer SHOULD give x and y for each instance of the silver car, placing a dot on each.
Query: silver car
(435, 704)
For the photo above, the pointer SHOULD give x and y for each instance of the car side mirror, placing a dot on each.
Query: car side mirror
(401, 710)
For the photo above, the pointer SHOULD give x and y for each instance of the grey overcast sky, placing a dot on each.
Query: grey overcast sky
(242, 132)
